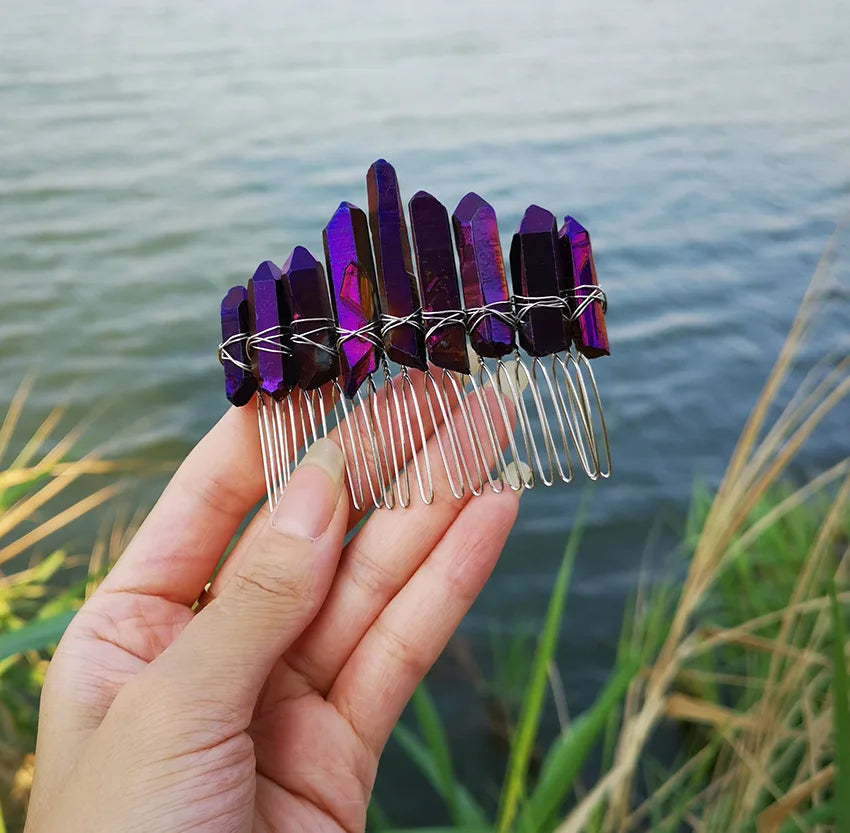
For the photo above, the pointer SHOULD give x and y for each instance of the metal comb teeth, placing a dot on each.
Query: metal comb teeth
(495, 387)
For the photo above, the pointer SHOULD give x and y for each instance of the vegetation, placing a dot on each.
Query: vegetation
(746, 656)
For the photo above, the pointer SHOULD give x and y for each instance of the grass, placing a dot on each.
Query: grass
(745, 658)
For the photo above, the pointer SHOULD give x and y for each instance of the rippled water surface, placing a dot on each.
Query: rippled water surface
(152, 153)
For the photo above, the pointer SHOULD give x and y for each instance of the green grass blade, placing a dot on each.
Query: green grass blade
(35, 636)
(570, 750)
(421, 756)
(376, 818)
(529, 722)
(841, 716)
(434, 735)
(464, 829)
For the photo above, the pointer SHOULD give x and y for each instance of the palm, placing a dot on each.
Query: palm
(287, 720)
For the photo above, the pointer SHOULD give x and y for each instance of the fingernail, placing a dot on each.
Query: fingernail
(309, 500)
(509, 375)
(517, 475)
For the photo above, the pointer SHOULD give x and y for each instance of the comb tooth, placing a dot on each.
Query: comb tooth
(438, 284)
(239, 382)
(589, 331)
(482, 274)
(351, 274)
(537, 272)
(404, 343)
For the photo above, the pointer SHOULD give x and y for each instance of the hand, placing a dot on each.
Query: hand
(265, 706)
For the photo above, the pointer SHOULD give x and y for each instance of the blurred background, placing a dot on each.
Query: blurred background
(151, 154)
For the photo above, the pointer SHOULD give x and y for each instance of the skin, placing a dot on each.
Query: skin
(263, 702)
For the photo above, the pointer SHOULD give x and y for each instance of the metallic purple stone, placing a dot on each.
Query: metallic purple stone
(589, 331)
(351, 274)
(268, 315)
(305, 290)
(435, 261)
(536, 271)
(404, 343)
(239, 384)
(482, 274)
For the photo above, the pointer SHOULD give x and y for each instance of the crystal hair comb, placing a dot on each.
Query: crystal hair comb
(315, 348)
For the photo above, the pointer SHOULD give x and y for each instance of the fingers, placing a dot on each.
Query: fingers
(376, 564)
(408, 636)
(224, 654)
(181, 541)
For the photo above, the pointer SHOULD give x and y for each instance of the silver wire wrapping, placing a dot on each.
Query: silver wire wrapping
(511, 422)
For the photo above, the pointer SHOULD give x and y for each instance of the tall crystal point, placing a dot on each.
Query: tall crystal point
(305, 289)
(239, 382)
(351, 274)
(482, 274)
(536, 272)
(404, 343)
(270, 322)
(438, 285)
(589, 331)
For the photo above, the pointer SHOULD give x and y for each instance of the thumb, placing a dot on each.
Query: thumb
(225, 653)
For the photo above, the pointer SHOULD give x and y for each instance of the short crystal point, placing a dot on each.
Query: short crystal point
(269, 323)
(239, 383)
(305, 291)
(589, 331)
(482, 274)
(351, 277)
(438, 282)
(537, 272)
(404, 343)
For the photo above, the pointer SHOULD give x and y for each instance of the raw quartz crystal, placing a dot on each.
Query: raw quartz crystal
(405, 342)
(588, 331)
(438, 285)
(270, 318)
(305, 290)
(537, 272)
(239, 383)
(351, 275)
(482, 274)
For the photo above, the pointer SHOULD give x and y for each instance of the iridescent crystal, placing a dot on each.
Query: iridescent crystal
(589, 331)
(270, 321)
(305, 290)
(537, 273)
(239, 382)
(351, 274)
(404, 342)
(482, 275)
(438, 285)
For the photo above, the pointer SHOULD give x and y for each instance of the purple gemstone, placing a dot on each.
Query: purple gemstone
(589, 331)
(536, 272)
(435, 261)
(270, 320)
(404, 343)
(239, 383)
(482, 274)
(305, 291)
(351, 273)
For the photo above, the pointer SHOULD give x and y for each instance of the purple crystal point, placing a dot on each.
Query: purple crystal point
(404, 343)
(351, 273)
(239, 383)
(305, 290)
(435, 261)
(536, 272)
(482, 274)
(589, 331)
(270, 320)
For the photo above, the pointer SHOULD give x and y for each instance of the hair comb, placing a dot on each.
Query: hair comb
(493, 372)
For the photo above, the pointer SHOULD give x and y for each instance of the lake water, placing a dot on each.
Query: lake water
(152, 153)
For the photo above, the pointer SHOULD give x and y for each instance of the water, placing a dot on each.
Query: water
(151, 154)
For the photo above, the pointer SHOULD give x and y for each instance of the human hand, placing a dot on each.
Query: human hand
(266, 706)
